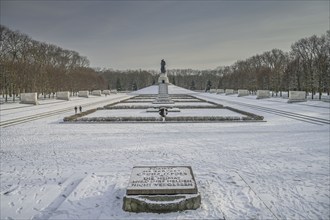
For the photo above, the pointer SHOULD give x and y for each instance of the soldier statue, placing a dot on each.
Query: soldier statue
(162, 66)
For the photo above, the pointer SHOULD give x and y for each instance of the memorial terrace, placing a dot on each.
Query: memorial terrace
(275, 169)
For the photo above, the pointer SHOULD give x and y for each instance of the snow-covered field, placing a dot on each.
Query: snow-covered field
(277, 169)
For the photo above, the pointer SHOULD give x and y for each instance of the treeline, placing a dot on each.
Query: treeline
(128, 80)
(306, 67)
(194, 79)
(28, 65)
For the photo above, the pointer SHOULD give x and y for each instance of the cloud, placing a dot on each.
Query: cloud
(188, 34)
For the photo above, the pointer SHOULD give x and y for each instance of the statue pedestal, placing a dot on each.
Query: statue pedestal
(163, 97)
(163, 78)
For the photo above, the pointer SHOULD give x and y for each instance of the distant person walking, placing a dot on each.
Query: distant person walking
(75, 109)
(80, 109)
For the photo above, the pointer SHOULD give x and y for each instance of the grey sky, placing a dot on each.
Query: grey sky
(187, 34)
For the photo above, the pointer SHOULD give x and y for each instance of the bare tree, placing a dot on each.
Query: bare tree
(31, 66)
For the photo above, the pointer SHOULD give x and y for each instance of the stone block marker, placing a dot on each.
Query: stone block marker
(106, 92)
(229, 91)
(114, 91)
(63, 95)
(96, 92)
(29, 98)
(213, 91)
(243, 92)
(219, 91)
(161, 189)
(83, 94)
(262, 94)
(297, 96)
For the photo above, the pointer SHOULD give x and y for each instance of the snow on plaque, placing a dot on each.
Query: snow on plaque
(161, 180)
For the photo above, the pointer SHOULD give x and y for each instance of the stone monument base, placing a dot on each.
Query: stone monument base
(63, 95)
(229, 91)
(83, 94)
(161, 189)
(161, 203)
(262, 94)
(29, 98)
(163, 79)
(243, 92)
(297, 96)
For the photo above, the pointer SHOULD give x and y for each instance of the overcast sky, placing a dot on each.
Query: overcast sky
(187, 34)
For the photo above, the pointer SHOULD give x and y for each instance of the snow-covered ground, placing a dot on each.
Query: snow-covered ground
(277, 169)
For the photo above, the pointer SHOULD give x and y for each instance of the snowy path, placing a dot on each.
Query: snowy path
(275, 169)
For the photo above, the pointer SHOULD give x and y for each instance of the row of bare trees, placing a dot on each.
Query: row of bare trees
(28, 65)
(306, 67)
(128, 80)
(194, 79)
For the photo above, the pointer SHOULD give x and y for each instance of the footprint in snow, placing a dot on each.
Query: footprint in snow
(19, 210)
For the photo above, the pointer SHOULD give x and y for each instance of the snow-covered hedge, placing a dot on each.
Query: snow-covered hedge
(76, 116)
(248, 114)
(152, 106)
(171, 119)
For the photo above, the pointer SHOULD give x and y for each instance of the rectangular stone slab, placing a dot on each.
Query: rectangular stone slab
(29, 98)
(297, 96)
(161, 180)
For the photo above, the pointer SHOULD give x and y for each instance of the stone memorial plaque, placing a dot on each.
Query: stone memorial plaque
(161, 180)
